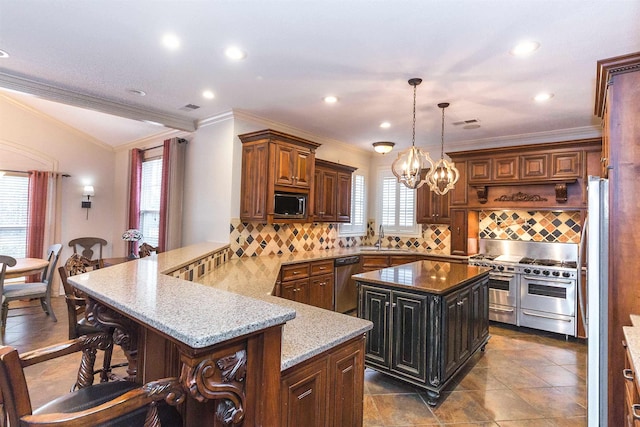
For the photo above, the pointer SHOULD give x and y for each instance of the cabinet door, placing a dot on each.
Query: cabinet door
(303, 167)
(304, 396)
(296, 290)
(375, 307)
(431, 208)
(465, 324)
(345, 370)
(534, 166)
(327, 200)
(456, 330)
(480, 170)
(458, 195)
(284, 164)
(479, 313)
(566, 165)
(409, 335)
(343, 197)
(458, 232)
(321, 291)
(253, 191)
(505, 169)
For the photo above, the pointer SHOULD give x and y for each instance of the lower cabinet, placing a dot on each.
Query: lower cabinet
(424, 338)
(327, 390)
(308, 283)
(632, 397)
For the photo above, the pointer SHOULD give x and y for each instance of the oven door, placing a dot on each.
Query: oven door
(503, 292)
(550, 295)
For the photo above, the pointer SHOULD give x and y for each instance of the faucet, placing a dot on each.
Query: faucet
(380, 237)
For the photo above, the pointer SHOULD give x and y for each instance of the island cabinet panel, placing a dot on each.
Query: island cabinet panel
(327, 390)
(425, 332)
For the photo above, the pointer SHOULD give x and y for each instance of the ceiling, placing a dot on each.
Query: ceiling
(91, 53)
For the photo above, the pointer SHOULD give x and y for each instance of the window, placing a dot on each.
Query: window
(150, 200)
(396, 206)
(358, 225)
(14, 208)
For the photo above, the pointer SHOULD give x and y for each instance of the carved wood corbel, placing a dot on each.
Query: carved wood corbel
(123, 330)
(482, 193)
(221, 380)
(561, 192)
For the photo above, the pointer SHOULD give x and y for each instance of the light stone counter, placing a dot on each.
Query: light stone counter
(196, 315)
(632, 338)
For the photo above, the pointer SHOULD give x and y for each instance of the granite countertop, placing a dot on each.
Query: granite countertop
(632, 337)
(141, 290)
(433, 277)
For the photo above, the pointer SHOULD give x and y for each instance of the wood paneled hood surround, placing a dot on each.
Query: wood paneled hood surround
(540, 176)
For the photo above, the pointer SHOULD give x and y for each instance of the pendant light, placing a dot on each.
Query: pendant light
(444, 174)
(412, 163)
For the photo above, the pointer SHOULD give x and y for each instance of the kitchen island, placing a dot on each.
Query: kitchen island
(428, 318)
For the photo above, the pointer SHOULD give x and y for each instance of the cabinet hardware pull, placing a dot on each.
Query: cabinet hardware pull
(627, 374)
(322, 268)
(296, 272)
(460, 303)
(635, 409)
(528, 313)
(501, 310)
(394, 305)
(458, 230)
(386, 304)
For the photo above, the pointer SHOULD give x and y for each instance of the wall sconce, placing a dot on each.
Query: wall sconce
(89, 192)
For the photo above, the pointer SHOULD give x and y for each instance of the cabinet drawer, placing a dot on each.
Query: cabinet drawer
(294, 271)
(321, 267)
(375, 261)
(401, 259)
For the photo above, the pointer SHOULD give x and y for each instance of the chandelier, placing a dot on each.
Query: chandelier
(444, 174)
(413, 163)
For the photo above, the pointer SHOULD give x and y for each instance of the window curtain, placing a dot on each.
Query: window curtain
(44, 214)
(137, 156)
(173, 164)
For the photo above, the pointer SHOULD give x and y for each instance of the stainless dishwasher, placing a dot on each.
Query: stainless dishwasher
(345, 291)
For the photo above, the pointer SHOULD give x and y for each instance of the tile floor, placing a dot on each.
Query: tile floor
(523, 379)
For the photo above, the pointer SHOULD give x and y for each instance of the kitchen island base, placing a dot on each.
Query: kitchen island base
(428, 318)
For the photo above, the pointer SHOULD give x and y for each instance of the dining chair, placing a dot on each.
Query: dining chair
(84, 246)
(5, 261)
(146, 249)
(40, 290)
(116, 403)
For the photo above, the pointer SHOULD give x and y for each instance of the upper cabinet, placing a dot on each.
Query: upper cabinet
(273, 162)
(548, 176)
(431, 208)
(332, 189)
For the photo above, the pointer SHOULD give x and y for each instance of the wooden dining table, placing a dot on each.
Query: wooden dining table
(26, 267)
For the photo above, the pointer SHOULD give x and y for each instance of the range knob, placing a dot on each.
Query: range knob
(546, 272)
(556, 273)
(536, 271)
(501, 267)
(566, 274)
(527, 270)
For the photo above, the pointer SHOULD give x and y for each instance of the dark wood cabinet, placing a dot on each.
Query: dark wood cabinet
(308, 283)
(332, 192)
(326, 391)
(458, 195)
(505, 168)
(273, 161)
(534, 166)
(479, 170)
(631, 394)
(566, 165)
(459, 231)
(431, 208)
(377, 262)
(422, 337)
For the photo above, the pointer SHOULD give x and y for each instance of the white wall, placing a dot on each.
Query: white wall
(32, 140)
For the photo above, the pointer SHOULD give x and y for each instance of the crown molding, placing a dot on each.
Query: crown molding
(218, 118)
(77, 99)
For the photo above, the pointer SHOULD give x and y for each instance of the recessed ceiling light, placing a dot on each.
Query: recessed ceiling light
(235, 53)
(208, 94)
(543, 96)
(137, 92)
(525, 48)
(3, 54)
(330, 99)
(385, 125)
(171, 41)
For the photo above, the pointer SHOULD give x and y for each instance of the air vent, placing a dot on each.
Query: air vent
(189, 107)
(466, 122)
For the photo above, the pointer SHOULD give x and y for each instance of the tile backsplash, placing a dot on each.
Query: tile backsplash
(255, 239)
(534, 226)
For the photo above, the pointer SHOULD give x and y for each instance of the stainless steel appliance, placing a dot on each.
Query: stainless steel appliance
(531, 284)
(345, 290)
(597, 300)
(289, 205)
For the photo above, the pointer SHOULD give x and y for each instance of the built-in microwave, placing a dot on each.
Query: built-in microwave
(289, 205)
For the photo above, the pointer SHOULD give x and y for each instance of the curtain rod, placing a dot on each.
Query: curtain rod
(65, 175)
(180, 141)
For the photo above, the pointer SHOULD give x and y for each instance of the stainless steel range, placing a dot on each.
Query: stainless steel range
(531, 284)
